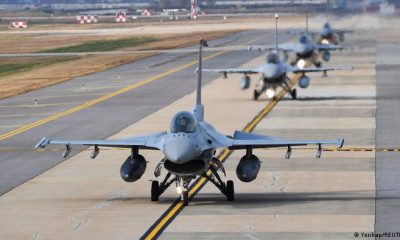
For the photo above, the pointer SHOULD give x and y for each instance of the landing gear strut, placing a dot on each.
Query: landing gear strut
(185, 192)
(259, 89)
(226, 189)
(256, 95)
(292, 92)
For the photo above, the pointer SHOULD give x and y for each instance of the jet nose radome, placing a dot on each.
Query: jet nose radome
(270, 71)
(180, 149)
(325, 32)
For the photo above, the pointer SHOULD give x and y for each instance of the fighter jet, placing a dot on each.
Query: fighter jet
(306, 49)
(329, 35)
(274, 72)
(189, 149)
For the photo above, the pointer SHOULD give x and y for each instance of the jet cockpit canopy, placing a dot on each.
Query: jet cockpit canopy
(183, 122)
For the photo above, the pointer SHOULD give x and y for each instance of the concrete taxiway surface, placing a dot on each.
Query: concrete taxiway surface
(304, 197)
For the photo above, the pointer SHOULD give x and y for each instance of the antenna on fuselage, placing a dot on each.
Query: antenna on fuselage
(276, 33)
(198, 110)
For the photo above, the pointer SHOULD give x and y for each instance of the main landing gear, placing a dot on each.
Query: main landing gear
(256, 95)
(293, 93)
(226, 188)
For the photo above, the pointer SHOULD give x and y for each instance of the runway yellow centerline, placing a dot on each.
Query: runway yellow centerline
(158, 227)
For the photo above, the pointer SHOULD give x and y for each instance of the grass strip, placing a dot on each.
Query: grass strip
(102, 45)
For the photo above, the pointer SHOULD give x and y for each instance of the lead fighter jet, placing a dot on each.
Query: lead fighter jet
(189, 149)
(274, 73)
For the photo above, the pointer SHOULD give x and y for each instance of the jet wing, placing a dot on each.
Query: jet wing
(234, 70)
(316, 69)
(342, 31)
(287, 47)
(261, 48)
(328, 47)
(243, 140)
(153, 141)
(302, 32)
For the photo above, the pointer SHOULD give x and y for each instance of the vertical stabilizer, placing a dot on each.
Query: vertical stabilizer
(307, 22)
(276, 33)
(198, 110)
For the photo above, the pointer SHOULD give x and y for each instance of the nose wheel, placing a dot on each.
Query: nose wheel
(185, 197)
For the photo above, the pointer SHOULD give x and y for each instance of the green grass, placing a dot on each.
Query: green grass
(10, 68)
(102, 45)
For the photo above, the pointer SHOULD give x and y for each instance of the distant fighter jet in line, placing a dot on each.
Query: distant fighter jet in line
(274, 71)
(306, 49)
(189, 151)
(329, 35)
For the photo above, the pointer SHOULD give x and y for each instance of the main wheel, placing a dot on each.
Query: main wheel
(255, 95)
(293, 93)
(155, 191)
(185, 198)
(230, 194)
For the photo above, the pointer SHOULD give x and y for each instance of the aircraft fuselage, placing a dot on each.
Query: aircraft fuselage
(186, 154)
(274, 73)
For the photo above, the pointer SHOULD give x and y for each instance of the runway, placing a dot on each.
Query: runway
(305, 198)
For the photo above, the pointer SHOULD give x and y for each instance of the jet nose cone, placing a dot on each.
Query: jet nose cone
(180, 149)
(302, 48)
(270, 71)
(325, 32)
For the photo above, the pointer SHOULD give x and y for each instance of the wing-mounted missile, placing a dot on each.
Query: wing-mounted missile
(319, 151)
(67, 151)
(288, 152)
(42, 143)
(95, 152)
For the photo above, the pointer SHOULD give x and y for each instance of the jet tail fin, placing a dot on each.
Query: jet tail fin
(198, 109)
(307, 20)
(276, 33)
